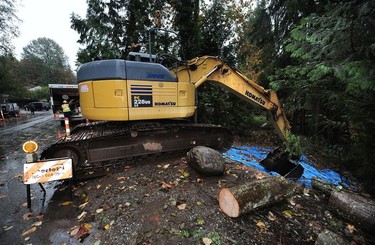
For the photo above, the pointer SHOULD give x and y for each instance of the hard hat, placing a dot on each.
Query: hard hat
(65, 102)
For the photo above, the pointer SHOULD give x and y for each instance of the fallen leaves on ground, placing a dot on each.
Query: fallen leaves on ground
(206, 241)
(261, 225)
(166, 185)
(80, 231)
(181, 206)
(18, 176)
(7, 228)
(200, 220)
(66, 203)
(108, 226)
(83, 205)
(288, 213)
(271, 216)
(31, 230)
(38, 223)
(27, 216)
(40, 216)
(83, 214)
(120, 178)
(259, 175)
(350, 228)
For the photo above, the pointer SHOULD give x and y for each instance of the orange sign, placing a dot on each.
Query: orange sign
(44, 171)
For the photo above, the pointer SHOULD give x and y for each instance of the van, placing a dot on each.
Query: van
(39, 106)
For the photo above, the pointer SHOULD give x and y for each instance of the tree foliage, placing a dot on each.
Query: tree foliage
(43, 62)
(110, 27)
(47, 51)
(333, 77)
(220, 25)
(9, 82)
(8, 25)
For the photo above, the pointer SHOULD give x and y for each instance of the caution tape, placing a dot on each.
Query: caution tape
(44, 171)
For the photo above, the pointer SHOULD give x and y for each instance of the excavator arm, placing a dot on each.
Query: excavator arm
(209, 68)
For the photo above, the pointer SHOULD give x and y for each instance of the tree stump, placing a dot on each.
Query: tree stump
(354, 208)
(242, 199)
(206, 161)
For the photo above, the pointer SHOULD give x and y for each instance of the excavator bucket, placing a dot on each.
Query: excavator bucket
(279, 162)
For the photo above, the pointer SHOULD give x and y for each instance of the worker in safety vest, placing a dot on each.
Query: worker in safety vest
(66, 109)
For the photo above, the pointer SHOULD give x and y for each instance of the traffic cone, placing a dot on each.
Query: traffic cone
(67, 128)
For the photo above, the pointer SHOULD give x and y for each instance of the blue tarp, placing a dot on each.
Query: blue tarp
(252, 155)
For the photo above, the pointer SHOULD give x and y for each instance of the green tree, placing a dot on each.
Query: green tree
(268, 26)
(221, 26)
(8, 25)
(110, 28)
(215, 29)
(8, 30)
(43, 62)
(9, 79)
(186, 22)
(332, 75)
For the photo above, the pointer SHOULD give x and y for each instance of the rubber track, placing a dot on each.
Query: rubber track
(86, 139)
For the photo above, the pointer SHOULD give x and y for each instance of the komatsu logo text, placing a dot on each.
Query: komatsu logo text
(169, 103)
(256, 98)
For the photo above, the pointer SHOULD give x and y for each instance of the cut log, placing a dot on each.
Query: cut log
(356, 209)
(242, 199)
(322, 186)
(206, 161)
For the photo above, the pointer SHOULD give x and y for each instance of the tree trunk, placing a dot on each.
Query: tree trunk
(242, 199)
(322, 186)
(354, 208)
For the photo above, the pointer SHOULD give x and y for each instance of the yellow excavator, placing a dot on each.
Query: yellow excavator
(139, 108)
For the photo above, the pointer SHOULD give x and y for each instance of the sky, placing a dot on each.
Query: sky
(50, 19)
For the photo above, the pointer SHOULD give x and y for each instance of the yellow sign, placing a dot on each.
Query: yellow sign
(30, 146)
(44, 171)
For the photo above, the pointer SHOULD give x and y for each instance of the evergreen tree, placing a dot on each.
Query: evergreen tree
(333, 77)
(112, 29)
(8, 25)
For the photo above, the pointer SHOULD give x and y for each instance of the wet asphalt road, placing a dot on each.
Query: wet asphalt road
(52, 218)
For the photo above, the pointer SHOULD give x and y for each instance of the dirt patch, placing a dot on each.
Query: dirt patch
(163, 201)
(167, 202)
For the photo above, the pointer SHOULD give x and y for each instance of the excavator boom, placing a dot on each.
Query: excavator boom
(208, 68)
